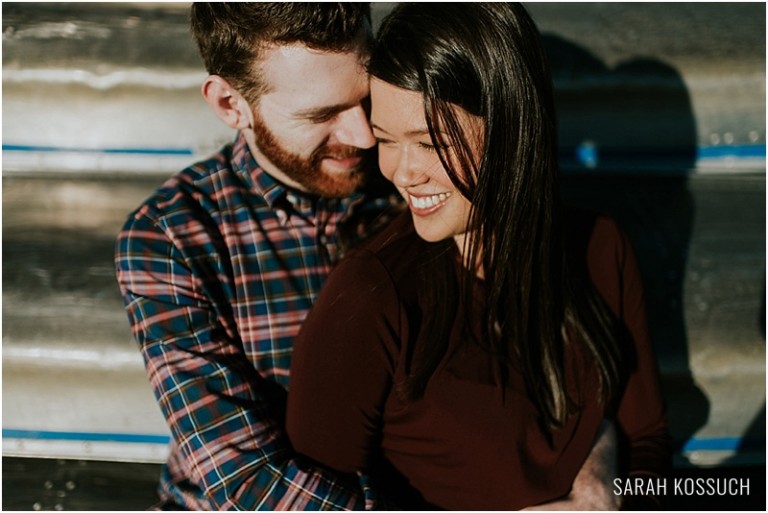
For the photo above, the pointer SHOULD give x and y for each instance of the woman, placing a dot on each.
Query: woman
(465, 357)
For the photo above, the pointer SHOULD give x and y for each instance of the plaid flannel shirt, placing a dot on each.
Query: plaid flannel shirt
(218, 269)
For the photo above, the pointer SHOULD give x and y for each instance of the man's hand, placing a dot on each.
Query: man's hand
(592, 487)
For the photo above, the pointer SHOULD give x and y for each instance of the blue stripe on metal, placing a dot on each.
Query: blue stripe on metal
(702, 152)
(124, 151)
(694, 444)
(746, 151)
(131, 438)
(723, 444)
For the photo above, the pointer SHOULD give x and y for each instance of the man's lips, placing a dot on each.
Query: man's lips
(344, 163)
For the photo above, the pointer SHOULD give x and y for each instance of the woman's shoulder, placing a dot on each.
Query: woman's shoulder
(396, 248)
(397, 233)
(600, 251)
(372, 284)
(593, 235)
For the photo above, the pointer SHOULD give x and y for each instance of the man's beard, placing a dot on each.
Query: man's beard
(308, 171)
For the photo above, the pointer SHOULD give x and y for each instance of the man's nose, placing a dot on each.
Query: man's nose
(353, 128)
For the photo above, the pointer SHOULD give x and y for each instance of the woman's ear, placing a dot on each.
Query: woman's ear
(228, 105)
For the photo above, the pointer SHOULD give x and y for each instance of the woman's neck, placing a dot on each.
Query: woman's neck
(464, 245)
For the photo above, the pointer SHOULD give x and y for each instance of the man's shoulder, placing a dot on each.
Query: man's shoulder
(195, 186)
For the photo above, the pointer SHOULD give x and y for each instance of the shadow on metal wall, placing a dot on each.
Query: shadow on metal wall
(628, 138)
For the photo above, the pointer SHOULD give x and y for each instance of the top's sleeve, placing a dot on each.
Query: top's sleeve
(641, 411)
(218, 408)
(342, 367)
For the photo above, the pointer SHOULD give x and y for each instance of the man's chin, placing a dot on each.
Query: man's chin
(338, 185)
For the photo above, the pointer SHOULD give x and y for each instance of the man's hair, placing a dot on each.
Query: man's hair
(230, 36)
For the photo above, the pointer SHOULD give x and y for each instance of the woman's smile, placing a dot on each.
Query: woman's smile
(424, 205)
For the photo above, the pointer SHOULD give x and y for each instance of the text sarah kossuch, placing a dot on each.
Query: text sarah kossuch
(697, 486)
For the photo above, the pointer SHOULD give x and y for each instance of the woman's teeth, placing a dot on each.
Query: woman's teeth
(429, 201)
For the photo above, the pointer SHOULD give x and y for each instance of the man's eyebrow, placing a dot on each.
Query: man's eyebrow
(318, 112)
(410, 133)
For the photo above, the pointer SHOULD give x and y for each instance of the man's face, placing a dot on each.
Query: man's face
(310, 129)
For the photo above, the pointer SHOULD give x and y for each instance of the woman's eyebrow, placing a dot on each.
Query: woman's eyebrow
(421, 131)
(374, 126)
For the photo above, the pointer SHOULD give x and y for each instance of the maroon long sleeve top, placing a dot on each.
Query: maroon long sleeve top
(464, 445)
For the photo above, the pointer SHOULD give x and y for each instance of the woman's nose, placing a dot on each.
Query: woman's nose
(408, 172)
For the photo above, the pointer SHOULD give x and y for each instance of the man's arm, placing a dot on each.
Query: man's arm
(592, 488)
(221, 413)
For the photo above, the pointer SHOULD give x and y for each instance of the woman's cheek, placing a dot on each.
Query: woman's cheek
(387, 162)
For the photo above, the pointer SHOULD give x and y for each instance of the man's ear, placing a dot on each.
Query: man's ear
(228, 105)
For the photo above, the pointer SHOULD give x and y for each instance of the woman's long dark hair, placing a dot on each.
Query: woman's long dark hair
(488, 59)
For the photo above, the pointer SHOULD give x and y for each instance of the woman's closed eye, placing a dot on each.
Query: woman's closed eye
(384, 141)
(429, 146)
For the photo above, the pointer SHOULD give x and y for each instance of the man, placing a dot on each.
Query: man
(220, 266)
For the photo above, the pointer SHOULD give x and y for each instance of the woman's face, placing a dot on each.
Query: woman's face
(408, 159)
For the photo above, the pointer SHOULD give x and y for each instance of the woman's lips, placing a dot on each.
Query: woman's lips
(424, 205)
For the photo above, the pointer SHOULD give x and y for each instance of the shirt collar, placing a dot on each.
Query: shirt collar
(258, 180)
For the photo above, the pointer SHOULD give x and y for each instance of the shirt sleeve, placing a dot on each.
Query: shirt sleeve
(220, 411)
(641, 411)
(342, 367)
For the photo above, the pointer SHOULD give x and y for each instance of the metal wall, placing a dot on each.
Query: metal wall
(662, 115)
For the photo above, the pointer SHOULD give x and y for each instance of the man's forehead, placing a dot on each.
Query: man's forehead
(301, 79)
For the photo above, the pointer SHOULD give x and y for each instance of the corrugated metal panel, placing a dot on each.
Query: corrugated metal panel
(662, 110)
